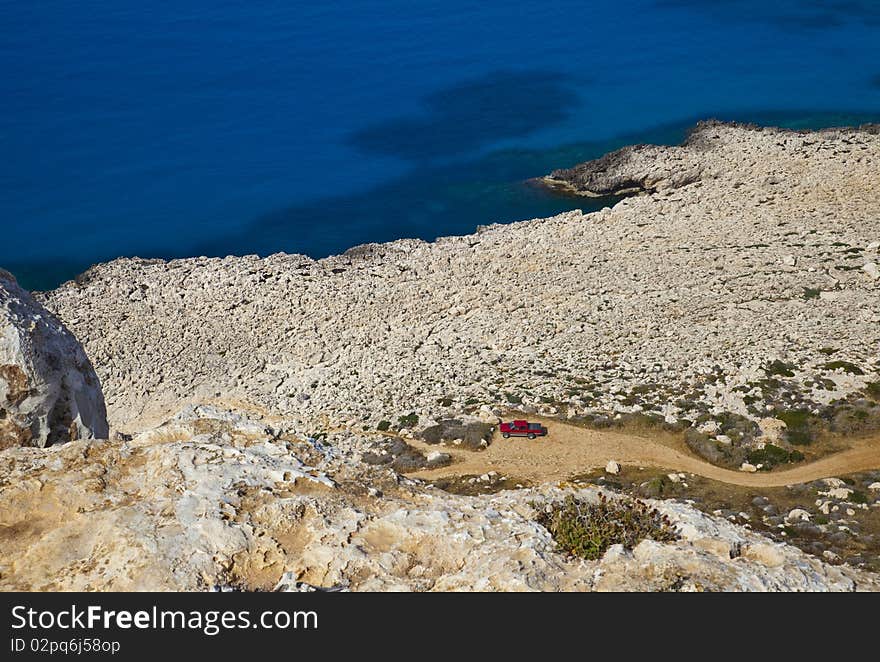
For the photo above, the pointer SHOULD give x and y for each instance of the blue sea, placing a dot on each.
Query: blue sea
(210, 127)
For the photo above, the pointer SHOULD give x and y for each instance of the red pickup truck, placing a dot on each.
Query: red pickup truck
(523, 429)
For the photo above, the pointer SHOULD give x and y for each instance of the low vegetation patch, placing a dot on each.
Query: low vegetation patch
(711, 450)
(588, 529)
(846, 366)
(771, 456)
(408, 420)
(473, 436)
(847, 527)
(800, 426)
(858, 497)
(779, 368)
(633, 422)
(401, 457)
(474, 485)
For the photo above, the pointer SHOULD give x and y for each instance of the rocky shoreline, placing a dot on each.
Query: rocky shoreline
(749, 292)
(733, 300)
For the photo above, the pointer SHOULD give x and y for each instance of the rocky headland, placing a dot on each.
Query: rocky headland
(264, 413)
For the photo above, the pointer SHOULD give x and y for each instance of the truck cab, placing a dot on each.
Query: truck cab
(520, 428)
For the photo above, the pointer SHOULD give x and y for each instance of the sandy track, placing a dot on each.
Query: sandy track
(569, 450)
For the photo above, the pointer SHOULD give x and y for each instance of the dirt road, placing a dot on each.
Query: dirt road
(569, 450)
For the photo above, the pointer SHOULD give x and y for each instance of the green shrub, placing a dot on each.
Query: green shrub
(799, 426)
(858, 497)
(474, 436)
(780, 368)
(794, 418)
(846, 366)
(383, 426)
(513, 398)
(811, 293)
(408, 420)
(799, 437)
(656, 488)
(736, 425)
(708, 449)
(772, 455)
(587, 529)
(873, 390)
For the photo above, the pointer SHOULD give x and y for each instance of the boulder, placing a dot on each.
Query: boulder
(49, 392)
(772, 556)
(798, 515)
(612, 467)
(486, 415)
(772, 430)
(841, 493)
(709, 427)
(438, 459)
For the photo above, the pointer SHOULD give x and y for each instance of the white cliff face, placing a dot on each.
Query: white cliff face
(49, 392)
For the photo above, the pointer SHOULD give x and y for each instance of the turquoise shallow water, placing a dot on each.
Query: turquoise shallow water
(195, 127)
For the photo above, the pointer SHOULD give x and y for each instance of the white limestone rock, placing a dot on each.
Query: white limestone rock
(208, 501)
(772, 430)
(49, 392)
(798, 515)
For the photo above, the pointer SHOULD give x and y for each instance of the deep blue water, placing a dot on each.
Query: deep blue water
(193, 127)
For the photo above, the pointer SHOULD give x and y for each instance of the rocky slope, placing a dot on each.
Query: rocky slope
(213, 500)
(683, 302)
(741, 285)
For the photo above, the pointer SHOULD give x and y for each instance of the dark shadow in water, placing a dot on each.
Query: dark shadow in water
(434, 201)
(805, 15)
(468, 116)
